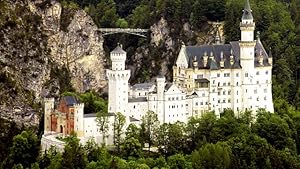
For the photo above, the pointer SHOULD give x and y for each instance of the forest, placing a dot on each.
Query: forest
(268, 140)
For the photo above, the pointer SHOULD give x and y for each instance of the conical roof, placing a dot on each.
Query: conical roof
(118, 50)
(247, 15)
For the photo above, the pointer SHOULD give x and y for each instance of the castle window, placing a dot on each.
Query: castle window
(219, 101)
(224, 92)
(213, 81)
(237, 100)
(255, 91)
(224, 84)
(139, 94)
(134, 106)
(267, 72)
(229, 101)
(237, 83)
(267, 81)
(229, 92)
(257, 82)
(226, 74)
(196, 103)
(176, 98)
(228, 83)
(265, 98)
(219, 93)
(246, 74)
(237, 74)
(218, 84)
(224, 101)
(199, 76)
(218, 75)
(265, 90)
(257, 73)
(203, 94)
(201, 103)
(237, 92)
(257, 99)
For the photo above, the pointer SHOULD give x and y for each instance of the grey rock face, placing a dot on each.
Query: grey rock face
(80, 48)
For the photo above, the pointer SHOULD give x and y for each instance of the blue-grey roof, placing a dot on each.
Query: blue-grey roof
(142, 86)
(247, 12)
(138, 99)
(227, 49)
(70, 100)
(118, 50)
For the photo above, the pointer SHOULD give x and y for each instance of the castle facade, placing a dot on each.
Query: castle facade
(235, 76)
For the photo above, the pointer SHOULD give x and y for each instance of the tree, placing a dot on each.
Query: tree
(102, 123)
(275, 130)
(212, 156)
(171, 138)
(74, 155)
(150, 126)
(178, 161)
(24, 151)
(119, 123)
(132, 146)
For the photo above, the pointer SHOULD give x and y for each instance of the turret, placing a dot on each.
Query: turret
(247, 25)
(222, 60)
(231, 58)
(118, 58)
(270, 58)
(205, 58)
(260, 58)
(48, 108)
(78, 119)
(195, 63)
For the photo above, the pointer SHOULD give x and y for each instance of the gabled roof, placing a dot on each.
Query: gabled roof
(70, 100)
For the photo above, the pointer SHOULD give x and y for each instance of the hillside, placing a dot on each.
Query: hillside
(51, 47)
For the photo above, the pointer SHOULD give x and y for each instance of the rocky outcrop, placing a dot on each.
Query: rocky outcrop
(79, 47)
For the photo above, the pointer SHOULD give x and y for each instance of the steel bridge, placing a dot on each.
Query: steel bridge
(137, 32)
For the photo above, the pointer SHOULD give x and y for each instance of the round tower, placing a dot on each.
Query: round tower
(118, 82)
(247, 52)
(48, 109)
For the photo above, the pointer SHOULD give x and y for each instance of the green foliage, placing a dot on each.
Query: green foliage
(24, 150)
(119, 123)
(74, 155)
(212, 156)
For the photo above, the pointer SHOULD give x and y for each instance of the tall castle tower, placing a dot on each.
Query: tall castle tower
(247, 45)
(118, 82)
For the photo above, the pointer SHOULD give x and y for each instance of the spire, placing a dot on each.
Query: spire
(247, 15)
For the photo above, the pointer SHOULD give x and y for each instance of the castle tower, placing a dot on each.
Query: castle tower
(118, 82)
(48, 108)
(247, 45)
(78, 119)
(160, 87)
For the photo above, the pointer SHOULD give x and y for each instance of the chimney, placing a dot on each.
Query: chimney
(231, 58)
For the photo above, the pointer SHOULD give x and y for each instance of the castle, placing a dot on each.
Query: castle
(215, 77)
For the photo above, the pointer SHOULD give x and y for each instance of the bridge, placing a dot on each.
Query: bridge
(137, 32)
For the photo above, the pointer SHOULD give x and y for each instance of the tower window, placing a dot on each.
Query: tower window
(246, 74)
(257, 73)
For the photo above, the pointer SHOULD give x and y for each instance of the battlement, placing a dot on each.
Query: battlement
(79, 105)
(47, 100)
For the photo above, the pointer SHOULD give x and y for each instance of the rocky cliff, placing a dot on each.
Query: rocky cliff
(47, 49)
